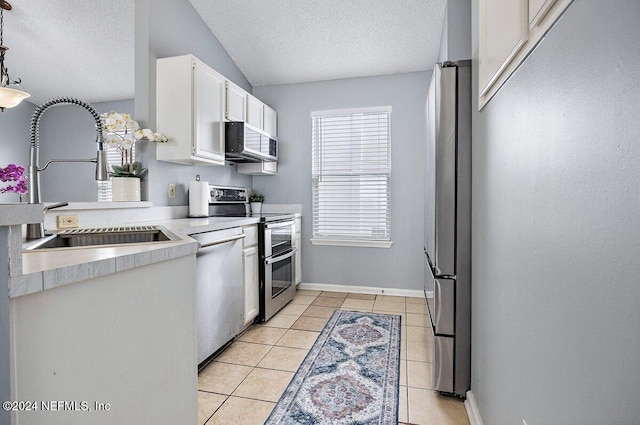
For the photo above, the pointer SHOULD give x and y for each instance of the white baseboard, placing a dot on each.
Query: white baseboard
(372, 290)
(472, 409)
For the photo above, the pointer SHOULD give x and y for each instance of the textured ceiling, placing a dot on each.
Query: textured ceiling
(85, 49)
(75, 48)
(289, 41)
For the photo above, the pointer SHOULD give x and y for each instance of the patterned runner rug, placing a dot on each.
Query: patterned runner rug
(350, 376)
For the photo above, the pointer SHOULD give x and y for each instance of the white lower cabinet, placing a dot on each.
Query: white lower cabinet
(104, 340)
(251, 277)
(297, 240)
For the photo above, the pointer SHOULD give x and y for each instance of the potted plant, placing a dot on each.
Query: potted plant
(256, 200)
(121, 132)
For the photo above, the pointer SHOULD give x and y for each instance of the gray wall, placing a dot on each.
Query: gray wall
(556, 167)
(401, 265)
(455, 43)
(168, 28)
(14, 140)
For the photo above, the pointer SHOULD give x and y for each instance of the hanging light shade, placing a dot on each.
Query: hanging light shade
(11, 92)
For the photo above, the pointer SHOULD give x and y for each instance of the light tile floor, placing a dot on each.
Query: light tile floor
(244, 382)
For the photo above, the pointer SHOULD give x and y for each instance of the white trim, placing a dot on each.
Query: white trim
(372, 290)
(351, 111)
(472, 409)
(342, 242)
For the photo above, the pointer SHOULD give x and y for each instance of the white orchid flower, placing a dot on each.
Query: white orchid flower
(127, 142)
(158, 137)
(116, 123)
(131, 124)
(112, 140)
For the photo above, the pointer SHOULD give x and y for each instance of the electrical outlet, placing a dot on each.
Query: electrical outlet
(172, 191)
(67, 221)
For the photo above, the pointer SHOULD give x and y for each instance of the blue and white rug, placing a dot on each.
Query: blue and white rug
(350, 375)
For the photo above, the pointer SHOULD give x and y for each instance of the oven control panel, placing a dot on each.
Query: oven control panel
(220, 194)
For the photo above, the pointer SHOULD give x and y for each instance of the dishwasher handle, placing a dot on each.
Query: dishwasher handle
(272, 260)
(221, 241)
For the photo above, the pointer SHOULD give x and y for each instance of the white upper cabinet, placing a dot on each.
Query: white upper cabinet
(538, 10)
(255, 112)
(270, 121)
(208, 108)
(508, 31)
(193, 101)
(258, 168)
(190, 108)
(236, 103)
(505, 29)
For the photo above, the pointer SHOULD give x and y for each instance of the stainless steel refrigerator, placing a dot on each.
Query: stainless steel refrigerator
(448, 225)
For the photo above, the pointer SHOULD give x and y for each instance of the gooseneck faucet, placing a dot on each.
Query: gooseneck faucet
(36, 230)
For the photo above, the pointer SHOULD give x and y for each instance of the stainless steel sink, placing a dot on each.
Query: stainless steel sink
(102, 236)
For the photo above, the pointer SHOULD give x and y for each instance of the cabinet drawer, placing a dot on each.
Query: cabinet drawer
(251, 235)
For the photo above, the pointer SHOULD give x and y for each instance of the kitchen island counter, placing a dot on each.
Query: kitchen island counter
(38, 270)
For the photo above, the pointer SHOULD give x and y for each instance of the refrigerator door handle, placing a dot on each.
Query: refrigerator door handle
(437, 297)
(443, 364)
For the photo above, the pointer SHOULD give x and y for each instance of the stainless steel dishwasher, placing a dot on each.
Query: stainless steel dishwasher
(219, 290)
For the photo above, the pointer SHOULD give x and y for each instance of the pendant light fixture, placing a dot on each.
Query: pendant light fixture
(11, 92)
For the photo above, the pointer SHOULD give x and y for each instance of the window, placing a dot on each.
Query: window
(113, 158)
(351, 175)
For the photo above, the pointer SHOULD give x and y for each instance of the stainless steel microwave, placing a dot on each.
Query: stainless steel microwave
(246, 143)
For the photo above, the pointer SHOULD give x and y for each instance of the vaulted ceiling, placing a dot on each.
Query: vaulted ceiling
(74, 48)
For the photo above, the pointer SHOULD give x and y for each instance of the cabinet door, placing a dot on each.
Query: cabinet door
(251, 300)
(538, 10)
(270, 121)
(208, 102)
(298, 258)
(504, 29)
(258, 168)
(255, 112)
(236, 103)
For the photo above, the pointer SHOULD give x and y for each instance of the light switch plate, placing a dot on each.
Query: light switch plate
(172, 191)
(67, 221)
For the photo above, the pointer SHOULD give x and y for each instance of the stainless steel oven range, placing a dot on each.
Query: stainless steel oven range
(275, 246)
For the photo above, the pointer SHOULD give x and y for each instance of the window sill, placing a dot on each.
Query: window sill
(356, 243)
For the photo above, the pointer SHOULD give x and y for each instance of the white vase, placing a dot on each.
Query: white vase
(125, 189)
(256, 207)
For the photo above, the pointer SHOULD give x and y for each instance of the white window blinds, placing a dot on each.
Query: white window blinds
(351, 172)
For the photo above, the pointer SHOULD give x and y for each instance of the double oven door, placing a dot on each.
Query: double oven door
(277, 267)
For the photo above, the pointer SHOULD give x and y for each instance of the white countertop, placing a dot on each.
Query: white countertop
(20, 213)
(48, 268)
